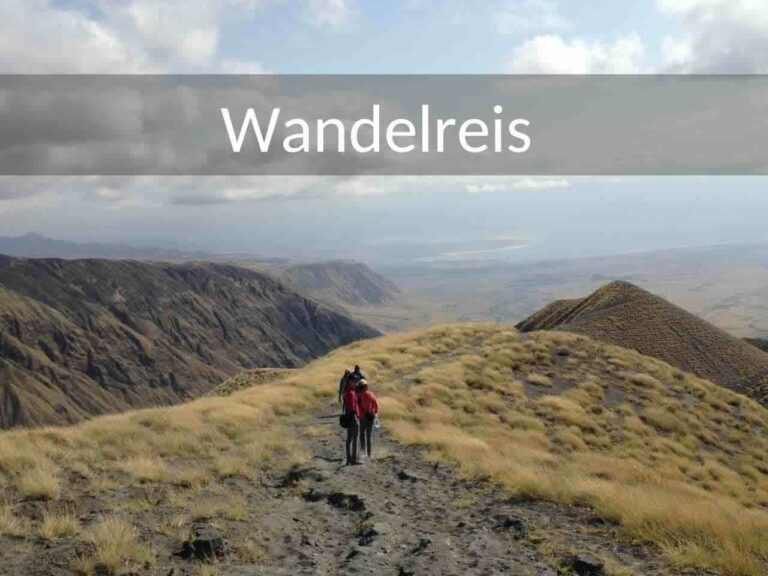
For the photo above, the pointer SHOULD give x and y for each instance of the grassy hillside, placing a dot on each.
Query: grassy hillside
(623, 314)
(672, 458)
(85, 337)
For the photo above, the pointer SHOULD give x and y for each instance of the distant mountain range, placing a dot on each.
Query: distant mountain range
(86, 337)
(38, 246)
(623, 314)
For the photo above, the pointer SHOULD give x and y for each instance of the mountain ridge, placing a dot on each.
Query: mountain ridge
(341, 282)
(86, 337)
(33, 245)
(624, 314)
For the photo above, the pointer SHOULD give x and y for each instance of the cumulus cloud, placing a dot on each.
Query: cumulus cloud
(331, 14)
(38, 37)
(529, 16)
(114, 36)
(552, 54)
(715, 36)
(718, 36)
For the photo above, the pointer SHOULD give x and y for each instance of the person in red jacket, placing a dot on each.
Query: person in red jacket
(352, 413)
(368, 410)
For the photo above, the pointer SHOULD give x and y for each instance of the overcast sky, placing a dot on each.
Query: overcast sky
(279, 215)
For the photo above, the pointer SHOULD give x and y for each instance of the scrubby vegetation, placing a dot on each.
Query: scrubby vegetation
(177, 458)
(674, 459)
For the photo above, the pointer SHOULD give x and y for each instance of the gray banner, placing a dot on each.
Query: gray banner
(347, 125)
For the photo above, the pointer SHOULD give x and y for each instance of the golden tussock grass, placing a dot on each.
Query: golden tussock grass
(10, 524)
(116, 545)
(145, 469)
(674, 459)
(40, 482)
(58, 524)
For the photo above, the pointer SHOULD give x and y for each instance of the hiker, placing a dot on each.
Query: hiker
(357, 374)
(369, 411)
(342, 384)
(351, 421)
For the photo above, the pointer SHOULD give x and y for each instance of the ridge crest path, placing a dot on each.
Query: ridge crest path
(398, 514)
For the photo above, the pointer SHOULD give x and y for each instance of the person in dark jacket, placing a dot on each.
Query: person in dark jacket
(357, 374)
(368, 409)
(352, 413)
(343, 384)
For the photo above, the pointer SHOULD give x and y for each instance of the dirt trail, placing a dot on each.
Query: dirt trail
(397, 514)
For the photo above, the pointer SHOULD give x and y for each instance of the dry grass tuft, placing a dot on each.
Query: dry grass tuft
(39, 482)
(58, 524)
(10, 524)
(116, 546)
(145, 469)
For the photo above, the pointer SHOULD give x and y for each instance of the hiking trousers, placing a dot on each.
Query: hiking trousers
(366, 432)
(352, 432)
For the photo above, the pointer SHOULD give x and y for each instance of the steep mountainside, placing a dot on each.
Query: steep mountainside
(342, 283)
(86, 337)
(761, 343)
(621, 313)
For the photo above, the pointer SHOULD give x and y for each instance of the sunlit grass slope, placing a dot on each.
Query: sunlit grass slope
(179, 457)
(674, 459)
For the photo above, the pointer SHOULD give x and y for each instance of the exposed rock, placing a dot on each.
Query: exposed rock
(207, 543)
(585, 565)
(408, 475)
(351, 502)
(517, 527)
(422, 545)
(293, 477)
(340, 500)
(368, 531)
(314, 496)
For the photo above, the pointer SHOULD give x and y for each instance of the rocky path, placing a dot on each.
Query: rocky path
(397, 514)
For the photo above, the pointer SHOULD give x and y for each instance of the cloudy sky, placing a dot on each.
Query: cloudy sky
(397, 36)
(277, 215)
